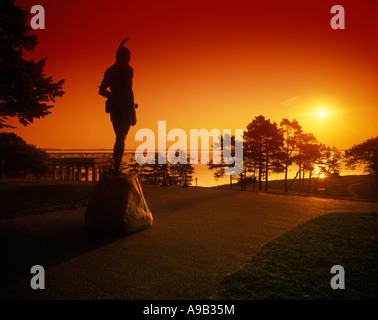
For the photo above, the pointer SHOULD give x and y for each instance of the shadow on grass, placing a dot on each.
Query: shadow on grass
(297, 264)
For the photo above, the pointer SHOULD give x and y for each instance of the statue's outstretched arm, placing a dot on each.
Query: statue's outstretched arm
(103, 90)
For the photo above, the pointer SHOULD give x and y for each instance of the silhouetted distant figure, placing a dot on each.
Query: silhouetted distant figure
(120, 103)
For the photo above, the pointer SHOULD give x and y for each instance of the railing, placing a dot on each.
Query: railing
(56, 155)
(80, 153)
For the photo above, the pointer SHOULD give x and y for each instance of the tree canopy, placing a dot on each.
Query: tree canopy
(165, 174)
(220, 168)
(264, 141)
(365, 153)
(291, 132)
(25, 91)
(19, 158)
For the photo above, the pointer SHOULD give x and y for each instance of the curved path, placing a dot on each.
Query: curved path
(199, 235)
(350, 190)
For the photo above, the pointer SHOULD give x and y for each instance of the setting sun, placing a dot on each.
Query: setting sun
(322, 113)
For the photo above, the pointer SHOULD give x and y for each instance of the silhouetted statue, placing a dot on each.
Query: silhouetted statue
(120, 103)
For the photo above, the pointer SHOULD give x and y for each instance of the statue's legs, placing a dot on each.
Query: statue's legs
(121, 130)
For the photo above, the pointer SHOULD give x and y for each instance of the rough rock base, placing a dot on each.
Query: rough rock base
(118, 204)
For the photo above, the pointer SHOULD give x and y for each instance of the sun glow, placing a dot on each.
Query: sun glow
(322, 113)
(320, 172)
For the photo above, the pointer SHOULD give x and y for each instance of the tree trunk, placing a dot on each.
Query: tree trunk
(165, 177)
(266, 166)
(260, 166)
(286, 169)
(185, 180)
(254, 179)
(266, 173)
(245, 176)
(375, 166)
(300, 166)
(303, 179)
(296, 175)
(309, 181)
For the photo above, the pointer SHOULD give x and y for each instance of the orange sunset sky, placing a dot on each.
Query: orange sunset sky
(210, 64)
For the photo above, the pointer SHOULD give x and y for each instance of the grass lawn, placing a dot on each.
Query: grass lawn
(23, 197)
(297, 264)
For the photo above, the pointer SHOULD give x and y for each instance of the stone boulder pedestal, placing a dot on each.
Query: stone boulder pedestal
(118, 204)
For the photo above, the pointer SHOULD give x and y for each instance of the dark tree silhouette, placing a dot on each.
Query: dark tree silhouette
(25, 91)
(219, 169)
(20, 158)
(155, 173)
(181, 172)
(248, 175)
(330, 160)
(291, 132)
(164, 174)
(310, 156)
(365, 153)
(264, 143)
(304, 140)
(132, 167)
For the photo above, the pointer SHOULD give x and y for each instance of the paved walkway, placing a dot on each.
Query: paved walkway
(198, 236)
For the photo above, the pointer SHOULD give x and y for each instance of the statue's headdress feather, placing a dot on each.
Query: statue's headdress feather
(123, 42)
